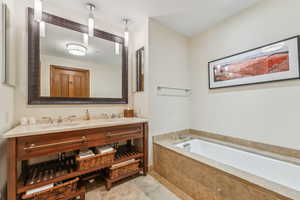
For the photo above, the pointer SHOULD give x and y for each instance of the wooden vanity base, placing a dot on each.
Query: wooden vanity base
(27, 147)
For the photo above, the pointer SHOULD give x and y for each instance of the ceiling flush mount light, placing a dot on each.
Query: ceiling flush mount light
(126, 32)
(91, 20)
(38, 10)
(76, 49)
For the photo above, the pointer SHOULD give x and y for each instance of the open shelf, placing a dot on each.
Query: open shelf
(54, 171)
(125, 153)
(48, 170)
(23, 187)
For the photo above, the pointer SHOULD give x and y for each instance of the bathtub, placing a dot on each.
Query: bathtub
(283, 173)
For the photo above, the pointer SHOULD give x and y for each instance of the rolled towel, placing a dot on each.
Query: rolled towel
(40, 189)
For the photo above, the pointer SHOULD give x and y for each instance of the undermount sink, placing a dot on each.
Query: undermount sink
(75, 124)
(45, 126)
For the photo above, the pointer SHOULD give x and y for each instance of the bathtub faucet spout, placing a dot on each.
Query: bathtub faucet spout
(185, 137)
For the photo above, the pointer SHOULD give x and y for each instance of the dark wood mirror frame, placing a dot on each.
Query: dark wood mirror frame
(34, 97)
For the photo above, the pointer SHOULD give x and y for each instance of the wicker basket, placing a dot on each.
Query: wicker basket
(116, 172)
(58, 192)
(97, 160)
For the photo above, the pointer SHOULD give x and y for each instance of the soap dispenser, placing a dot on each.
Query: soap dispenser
(87, 115)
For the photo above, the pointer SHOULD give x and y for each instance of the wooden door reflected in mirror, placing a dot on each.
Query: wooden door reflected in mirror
(69, 82)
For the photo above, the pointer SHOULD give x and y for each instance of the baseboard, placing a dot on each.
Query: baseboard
(150, 168)
(3, 193)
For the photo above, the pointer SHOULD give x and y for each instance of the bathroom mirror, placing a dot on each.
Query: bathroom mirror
(140, 57)
(66, 66)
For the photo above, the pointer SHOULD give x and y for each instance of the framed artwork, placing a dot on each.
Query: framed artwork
(273, 62)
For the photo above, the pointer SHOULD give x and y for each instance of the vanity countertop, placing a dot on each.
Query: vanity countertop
(39, 129)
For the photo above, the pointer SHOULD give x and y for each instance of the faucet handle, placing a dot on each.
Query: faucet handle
(50, 120)
(71, 117)
(60, 119)
(104, 116)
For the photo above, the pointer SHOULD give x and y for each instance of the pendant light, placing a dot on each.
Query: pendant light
(117, 48)
(86, 39)
(126, 32)
(38, 10)
(91, 20)
(42, 29)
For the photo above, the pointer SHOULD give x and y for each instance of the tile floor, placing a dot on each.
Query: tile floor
(140, 188)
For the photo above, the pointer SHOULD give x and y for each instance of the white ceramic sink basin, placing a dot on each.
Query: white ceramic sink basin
(73, 124)
(46, 126)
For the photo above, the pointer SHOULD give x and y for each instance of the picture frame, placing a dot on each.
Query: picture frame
(277, 61)
(140, 69)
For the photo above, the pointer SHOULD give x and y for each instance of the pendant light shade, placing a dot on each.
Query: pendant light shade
(126, 37)
(117, 48)
(126, 32)
(42, 29)
(86, 39)
(91, 20)
(38, 10)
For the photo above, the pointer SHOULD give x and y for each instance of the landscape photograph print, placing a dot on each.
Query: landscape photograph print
(277, 61)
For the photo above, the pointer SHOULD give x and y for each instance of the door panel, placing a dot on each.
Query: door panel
(69, 82)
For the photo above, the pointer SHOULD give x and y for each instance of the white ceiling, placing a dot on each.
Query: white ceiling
(188, 17)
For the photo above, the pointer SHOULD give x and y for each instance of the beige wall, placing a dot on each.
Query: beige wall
(6, 97)
(6, 121)
(266, 113)
(22, 109)
(168, 66)
(141, 99)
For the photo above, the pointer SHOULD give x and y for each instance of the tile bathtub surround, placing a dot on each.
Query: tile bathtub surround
(201, 181)
(167, 142)
(179, 193)
(140, 188)
(276, 152)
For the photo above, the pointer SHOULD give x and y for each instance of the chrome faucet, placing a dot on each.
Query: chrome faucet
(71, 117)
(104, 116)
(60, 120)
(185, 137)
(87, 115)
(50, 120)
(113, 115)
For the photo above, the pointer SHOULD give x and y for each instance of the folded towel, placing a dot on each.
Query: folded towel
(86, 153)
(40, 189)
(104, 149)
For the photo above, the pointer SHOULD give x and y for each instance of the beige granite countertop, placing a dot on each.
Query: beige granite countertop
(39, 129)
(169, 141)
